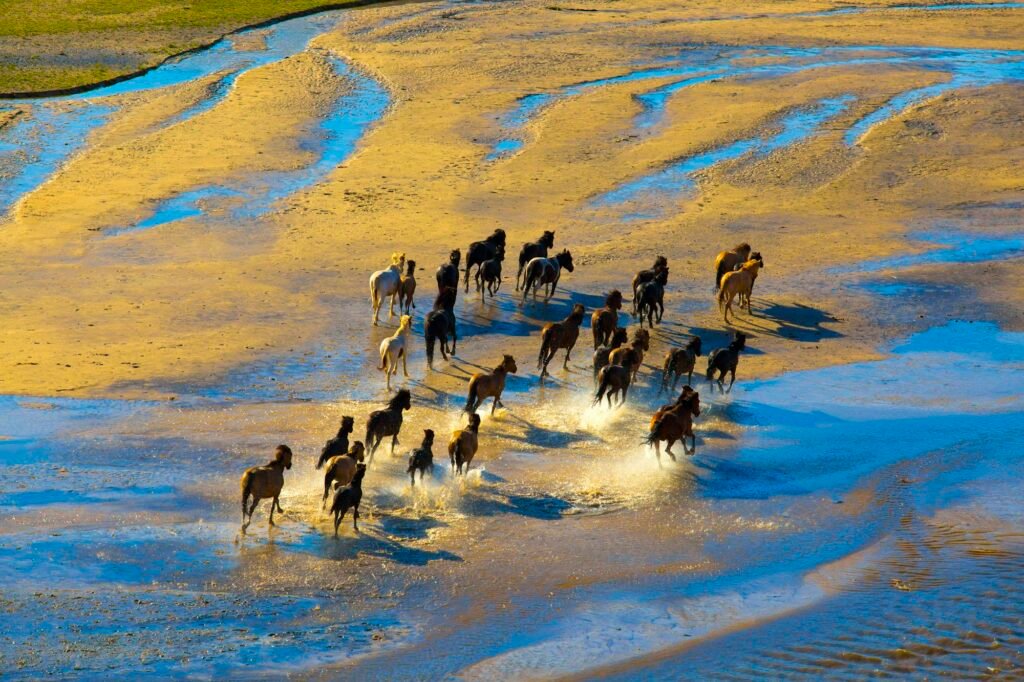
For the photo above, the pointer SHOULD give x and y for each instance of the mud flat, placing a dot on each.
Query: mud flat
(184, 283)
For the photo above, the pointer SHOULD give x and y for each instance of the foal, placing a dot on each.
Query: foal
(490, 385)
(604, 321)
(556, 335)
(407, 288)
(265, 482)
(726, 261)
(680, 361)
(393, 348)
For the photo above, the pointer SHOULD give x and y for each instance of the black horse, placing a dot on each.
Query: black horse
(680, 361)
(339, 444)
(537, 249)
(387, 422)
(448, 274)
(650, 299)
(725, 360)
(439, 323)
(660, 263)
(478, 252)
(422, 458)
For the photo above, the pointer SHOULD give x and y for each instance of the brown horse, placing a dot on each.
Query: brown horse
(680, 361)
(265, 482)
(448, 274)
(422, 458)
(387, 422)
(612, 379)
(745, 297)
(556, 335)
(342, 468)
(604, 321)
(463, 445)
(674, 423)
(738, 283)
(632, 356)
(619, 337)
(660, 263)
(489, 274)
(726, 261)
(407, 288)
(490, 385)
(347, 498)
(650, 299)
(725, 361)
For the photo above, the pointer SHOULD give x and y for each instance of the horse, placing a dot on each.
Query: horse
(265, 482)
(632, 356)
(612, 379)
(422, 458)
(726, 261)
(674, 423)
(489, 385)
(448, 274)
(407, 288)
(619, 337)
(393, 348)
(347, 498)
(604, 321)
(342, 468)
(556, 335)
(339, 444)
(463, 444)
(680, 361)
(546, 271)
(660, 263)
(651, 297)
(725, 360)
(385, 283)
(738, 283)
(387, 422)
(489, 273)
(745, 297)
(439, 322)
(478, 252)
(537, 249)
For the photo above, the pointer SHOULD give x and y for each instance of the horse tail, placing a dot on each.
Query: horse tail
(471, 399)
(721, 298)
(711, 370)
(431, 338)
(323, 458)
(720, 270)
(373, 292)
(602, 376)
(369, 437)
(383, 358)
(665, 370)
(545, 341)
(246, 490)
(652, 436)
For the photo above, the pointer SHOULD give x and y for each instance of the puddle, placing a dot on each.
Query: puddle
(954, 247)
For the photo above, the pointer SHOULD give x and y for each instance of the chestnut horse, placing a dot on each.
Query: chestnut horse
(738, 283)
(726, 261)
(490, 385)
(556, 335)
(674, 423)
(619, 337)
(632, 356)
(407, 288)
(604, 321)
(265, 482)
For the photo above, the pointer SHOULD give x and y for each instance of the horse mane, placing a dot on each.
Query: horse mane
(660, 262)
(613, 295)
(398, 399)
(281, 451)
(410, 266)
(578, 311)
(693, 343)
(742, 246)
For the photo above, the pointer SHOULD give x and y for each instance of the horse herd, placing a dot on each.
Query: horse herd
(617, 359)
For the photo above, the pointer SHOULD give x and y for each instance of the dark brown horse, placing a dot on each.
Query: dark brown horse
(613, 379)
(347, 498)
(448, 274)
(632, 356)
(674, 423)
(422, 458)
(339, 444)
(387, 422)
(725, 360)
(537, 249)
(489, 274)
(407, 288)
(604, 321)
(619, 337)
(342, 468)
(490, 385)
(651, 297)
(680, 361)
(440, 323)
(463, 445)
(557, 335)
(660, 263)
(478, 252)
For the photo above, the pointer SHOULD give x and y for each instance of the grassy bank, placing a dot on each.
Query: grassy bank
(59, 44)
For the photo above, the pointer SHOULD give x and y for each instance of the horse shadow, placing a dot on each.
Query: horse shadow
(346, 547)
(795, 321)
(547, 438)
(543, 507)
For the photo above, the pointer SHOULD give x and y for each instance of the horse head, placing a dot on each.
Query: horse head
(620, 335)
(659, 263)
(404, 324)
(742, 250)
(401, 400)
(740, 341)
(348, 425)
(695, 345)
(695, 404)
(428, 437)
(565, 259)
(497, 237)
(357, 451)
(547, 239)
(283, 455)
(499, 253)
(508, 363)
(756, 255)
(455, 257)
(578, 311)
(398, 259)
(642, 338)
(410, 268)
(474, 422)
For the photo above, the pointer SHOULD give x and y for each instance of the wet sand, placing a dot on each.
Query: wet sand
(208, 239)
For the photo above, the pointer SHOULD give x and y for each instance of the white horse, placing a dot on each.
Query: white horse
(386, 283)
(394, 347)
(546, 271)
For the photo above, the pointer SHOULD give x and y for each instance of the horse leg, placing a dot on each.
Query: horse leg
(355, 519)
(568, 352)
(394, 442)
(668, 449)
(469, 264)
(338, 516)
(732, 379)
(405, 368)
(273, 502)
(277, 501)
(657, 452)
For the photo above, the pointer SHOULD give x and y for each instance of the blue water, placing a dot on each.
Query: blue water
(953, 247)
(649, 193)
